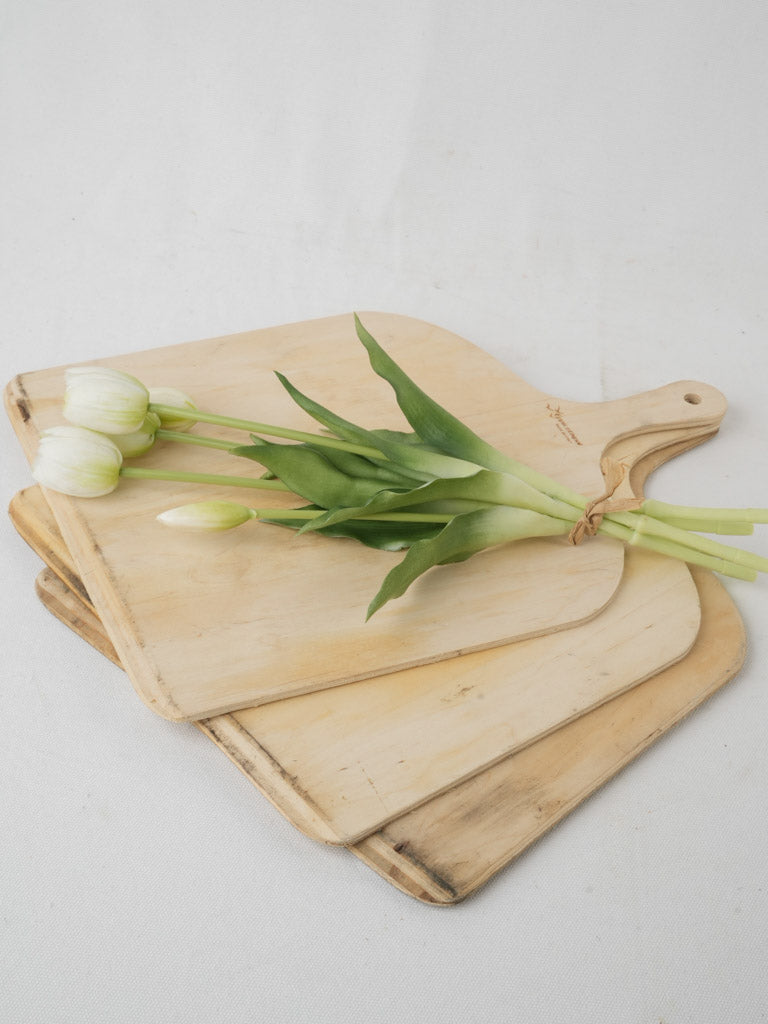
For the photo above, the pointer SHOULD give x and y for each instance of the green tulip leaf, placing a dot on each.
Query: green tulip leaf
(463, 537)
(483, 489)
(407, 456)
(431, 422)
(353, 465)
(309, 474)
(380, 534)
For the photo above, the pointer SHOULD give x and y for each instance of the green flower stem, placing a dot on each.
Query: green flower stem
(672, 550)
(643, 530)
(259, 483)
(729, 528)
(637, 525)
(196, 416)
(623, 533)
(646, 526)
(627, 534)
(196, 439)
(541, 482)
(651, 522)
(661, 510)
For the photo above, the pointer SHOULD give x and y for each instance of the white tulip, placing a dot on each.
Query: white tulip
(103, 399)
(77, 461)
(138, 441)
(207, 515)
(177, 399)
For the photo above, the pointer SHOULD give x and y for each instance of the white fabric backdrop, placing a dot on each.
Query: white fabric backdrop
(581, 188)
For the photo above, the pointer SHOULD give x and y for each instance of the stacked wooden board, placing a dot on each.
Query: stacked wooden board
(441, 738)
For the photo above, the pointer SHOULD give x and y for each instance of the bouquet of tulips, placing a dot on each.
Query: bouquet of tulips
(439, 492)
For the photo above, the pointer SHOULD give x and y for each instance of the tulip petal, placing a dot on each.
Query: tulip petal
(209, 516)
(106, 400)
(427, 463)
(77, 461)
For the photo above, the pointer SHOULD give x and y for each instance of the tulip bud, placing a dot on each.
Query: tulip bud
(77, 461)
(103, 399)
(207, 515)
(138, 441)
(177, 399)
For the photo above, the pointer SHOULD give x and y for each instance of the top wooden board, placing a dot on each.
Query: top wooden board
(209, 624)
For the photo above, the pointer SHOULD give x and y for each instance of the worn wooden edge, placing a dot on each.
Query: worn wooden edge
(68, 607)
(350, 838)
(398, 859)
(33, 520)
(252, 760)
(269, 777)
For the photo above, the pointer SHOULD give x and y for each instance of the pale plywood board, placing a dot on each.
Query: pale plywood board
(252, 748)
(345, 761)
(444, 850)
(212, 624)
(365, 754)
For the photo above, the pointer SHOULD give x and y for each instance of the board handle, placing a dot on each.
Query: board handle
(688, 404)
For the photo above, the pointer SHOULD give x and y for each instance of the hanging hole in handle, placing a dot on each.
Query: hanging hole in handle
(692, 398)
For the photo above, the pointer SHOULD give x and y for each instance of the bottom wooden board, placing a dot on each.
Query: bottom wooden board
(444, 850)
(449, 847)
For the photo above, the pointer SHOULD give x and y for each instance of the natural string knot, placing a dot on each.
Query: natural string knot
(589, 523)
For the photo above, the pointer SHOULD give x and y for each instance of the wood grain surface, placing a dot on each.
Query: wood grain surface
(248, 740)
(444, 850)
(208, 625)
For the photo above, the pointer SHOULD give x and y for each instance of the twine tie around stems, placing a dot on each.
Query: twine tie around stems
(589, 523)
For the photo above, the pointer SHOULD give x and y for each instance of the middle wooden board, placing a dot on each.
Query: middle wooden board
(343, 762)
